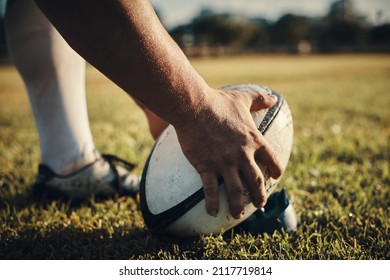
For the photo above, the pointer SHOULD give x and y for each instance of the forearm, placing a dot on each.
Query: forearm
(127, 43)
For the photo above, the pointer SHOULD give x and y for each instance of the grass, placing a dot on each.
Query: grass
(338, 175)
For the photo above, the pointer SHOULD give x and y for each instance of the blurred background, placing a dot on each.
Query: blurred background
(219, 27)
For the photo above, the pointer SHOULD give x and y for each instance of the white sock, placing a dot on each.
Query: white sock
(54, 76)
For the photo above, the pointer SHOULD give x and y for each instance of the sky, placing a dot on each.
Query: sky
(174, 12)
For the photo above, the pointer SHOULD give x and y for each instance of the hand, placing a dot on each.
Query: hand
(223, 141)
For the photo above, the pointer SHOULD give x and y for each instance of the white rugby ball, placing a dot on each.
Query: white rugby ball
(171, 193)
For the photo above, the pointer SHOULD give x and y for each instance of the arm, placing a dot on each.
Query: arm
(126, 41)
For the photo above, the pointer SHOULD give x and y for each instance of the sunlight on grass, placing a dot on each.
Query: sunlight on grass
(338, 175)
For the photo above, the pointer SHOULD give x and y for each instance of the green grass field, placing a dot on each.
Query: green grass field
(338, 175)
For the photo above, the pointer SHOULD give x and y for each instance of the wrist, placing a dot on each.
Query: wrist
(191, 105)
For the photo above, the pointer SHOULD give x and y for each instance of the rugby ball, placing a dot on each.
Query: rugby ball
(171, 193)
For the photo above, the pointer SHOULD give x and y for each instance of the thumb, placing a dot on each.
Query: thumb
(262, 100)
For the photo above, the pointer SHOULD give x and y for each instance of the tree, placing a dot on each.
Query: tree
(343, 28)
(341, 11)
(227, 30)
(223, 29)
(289, 30)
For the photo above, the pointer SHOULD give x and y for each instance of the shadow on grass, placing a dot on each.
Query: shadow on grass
(71, 243)
(56, 240)
(75, 244)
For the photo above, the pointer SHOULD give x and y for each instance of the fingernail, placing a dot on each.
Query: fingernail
(239, 215)
(272, 96)
(213, 213)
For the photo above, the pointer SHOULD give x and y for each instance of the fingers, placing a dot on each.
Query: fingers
(251, 180)
(267, 157)
(262, 100)
(235, 193)
(211, 192)
(254, 181)
(234, 190)
(241, 177)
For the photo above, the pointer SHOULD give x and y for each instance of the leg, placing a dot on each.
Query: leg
(156, 123)
(54, 77)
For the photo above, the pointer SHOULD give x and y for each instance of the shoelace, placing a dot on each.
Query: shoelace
(112, 161)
